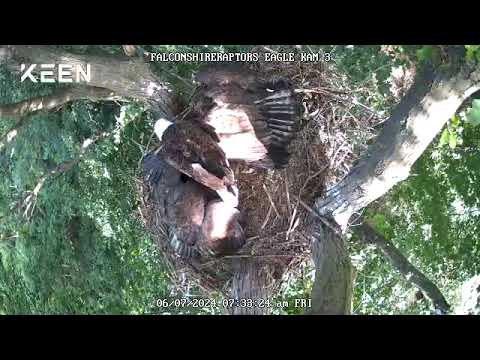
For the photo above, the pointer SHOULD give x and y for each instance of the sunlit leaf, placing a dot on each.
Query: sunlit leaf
(452, 140)
(455, 121)
(444, 138)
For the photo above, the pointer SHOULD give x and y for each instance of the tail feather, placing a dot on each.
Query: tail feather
(279, 155)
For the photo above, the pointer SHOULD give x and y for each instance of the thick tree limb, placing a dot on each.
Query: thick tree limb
(334, 275)
(127, 77)
(250, 282)
(45, 103)
(432, 100)
(405, 267)
(419, 117)
(49, 102)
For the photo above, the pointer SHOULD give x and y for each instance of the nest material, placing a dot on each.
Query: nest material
(275, 203)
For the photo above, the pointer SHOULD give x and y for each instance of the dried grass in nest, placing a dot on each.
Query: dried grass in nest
(333, 134)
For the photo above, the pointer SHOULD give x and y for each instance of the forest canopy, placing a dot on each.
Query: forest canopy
(72, 237)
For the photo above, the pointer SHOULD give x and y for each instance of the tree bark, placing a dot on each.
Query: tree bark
(334, 275)
(250, 282)
(430, 102)
(126, 77)
(405, 267)
(46, 103)
(49, 102)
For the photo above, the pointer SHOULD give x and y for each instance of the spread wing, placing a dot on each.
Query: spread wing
(263, 116)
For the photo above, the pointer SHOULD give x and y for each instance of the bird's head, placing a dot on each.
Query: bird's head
(160, 126)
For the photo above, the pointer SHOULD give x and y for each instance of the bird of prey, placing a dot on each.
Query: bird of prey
(255, 120)
(198, 221)
(192, 147)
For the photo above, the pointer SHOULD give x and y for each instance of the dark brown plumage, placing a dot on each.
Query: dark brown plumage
(198, 221)
(192, 148)
(254, 120)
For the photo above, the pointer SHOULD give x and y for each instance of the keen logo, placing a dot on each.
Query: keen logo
(51, 73)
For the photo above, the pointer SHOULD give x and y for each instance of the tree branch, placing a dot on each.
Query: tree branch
(334, 275)
(405, 267)
(430, 102)
(126, 77)
(45, 103)
(49, 102)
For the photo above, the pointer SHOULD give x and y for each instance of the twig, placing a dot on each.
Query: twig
(267, 217)
(291, 227)
(310, 178)
(271, 201)
(287, 192)
(407, 269)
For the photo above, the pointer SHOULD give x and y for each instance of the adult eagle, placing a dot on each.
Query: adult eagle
(192, 147)
(255, 120)
(198, 222)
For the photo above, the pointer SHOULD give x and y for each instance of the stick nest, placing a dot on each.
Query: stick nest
(334, 132)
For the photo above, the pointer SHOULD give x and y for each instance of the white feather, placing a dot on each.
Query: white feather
(160, 126)
(228, 198)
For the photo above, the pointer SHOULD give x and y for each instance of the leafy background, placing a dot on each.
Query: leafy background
(85, 251)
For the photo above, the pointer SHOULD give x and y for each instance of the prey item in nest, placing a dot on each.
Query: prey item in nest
(198, 222)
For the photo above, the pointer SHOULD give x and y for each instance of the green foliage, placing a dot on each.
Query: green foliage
(429, 53)
(369, 67)
(451, 135)
(433, 218)
(85, 249)
(473, 113)
(473, 53)
(294, 290)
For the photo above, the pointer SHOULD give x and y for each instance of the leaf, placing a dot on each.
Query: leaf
(473, 51)
(452, 140)
(455, 121)
(473, 114)
(425, 53)
(444, 138)
(429, 53)
(470, 55)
